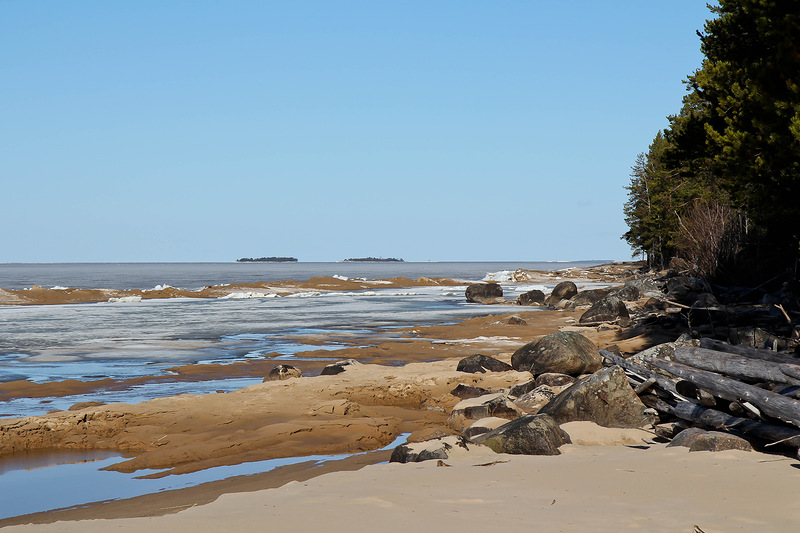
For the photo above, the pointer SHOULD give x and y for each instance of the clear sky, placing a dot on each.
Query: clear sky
(428, 130)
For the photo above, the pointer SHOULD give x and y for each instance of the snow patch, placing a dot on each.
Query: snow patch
(125, 300)
(342, 278)
(247, 295)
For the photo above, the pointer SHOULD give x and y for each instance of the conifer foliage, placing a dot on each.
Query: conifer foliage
(734, 147)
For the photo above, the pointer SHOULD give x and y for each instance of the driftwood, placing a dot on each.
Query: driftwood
(720, 420)
(770, 403)
(646, 374)
(737, 366)
(746, 351)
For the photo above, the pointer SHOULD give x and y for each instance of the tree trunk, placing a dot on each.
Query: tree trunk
(737, 366)
(770, 403)
(724, 421)
(746, 351)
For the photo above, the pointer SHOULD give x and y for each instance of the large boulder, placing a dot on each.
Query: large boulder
(563, 291)
(605, 398)
(588, 297)
(484, 425)
(282, 372)
(480, 363)
(467, 411)
(700, 440)
(464, 391)
(533, 297)
(528, 435)
(564, 352)
(609, 309)
(484, 293)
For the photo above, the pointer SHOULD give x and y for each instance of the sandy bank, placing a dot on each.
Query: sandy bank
(586, 489)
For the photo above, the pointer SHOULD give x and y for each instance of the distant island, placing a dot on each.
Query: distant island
(267, 260)
(373, 260)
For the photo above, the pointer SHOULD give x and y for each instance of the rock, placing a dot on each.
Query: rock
(425, 451)
(668, 430)
(83, 405)
(516, 321)
(705, 299)
(609, 309)
(757, 338)
(554, 379)
(338, 367)
(534, 297)
(467, 411)
(528, 435)
(522, 388)
(626, 293)
(468, 391)
(484, 425)
(534, 400)
(484, 293)
(645, 286)
(654, 305)
(605, 398)
(429, 433)
(282, 372)
(564, 352)
(563, 291)
(588, 297)
(699, 440)
(479, 363)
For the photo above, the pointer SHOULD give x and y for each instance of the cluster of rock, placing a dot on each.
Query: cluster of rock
(604, 305)
(568, 382)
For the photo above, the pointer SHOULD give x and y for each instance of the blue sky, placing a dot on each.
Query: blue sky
(444, 130)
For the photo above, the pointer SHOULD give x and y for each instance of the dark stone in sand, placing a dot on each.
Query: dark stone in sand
(534, 297)
(338, 367)
(564, 352)
(479, 363)
(699, 440)
(484, 293)
(516, 321)
(282, 372)
(467, 391)
(528, 435)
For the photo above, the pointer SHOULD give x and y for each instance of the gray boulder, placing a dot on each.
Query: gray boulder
(534, 297)
(468, 391)
(564, 352)
(554, 379)
(588, 297)
(609, 309)
(699, 440)
(484, 293)
(605, 398)
(282, 372)
(563, 291)
(626, 293)
(528, 435)
(531, 402)
(480, 363)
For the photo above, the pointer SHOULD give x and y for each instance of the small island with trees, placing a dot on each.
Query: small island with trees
(267, 260)
(373, 260)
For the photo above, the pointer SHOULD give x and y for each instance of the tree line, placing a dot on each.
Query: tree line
(719, 188)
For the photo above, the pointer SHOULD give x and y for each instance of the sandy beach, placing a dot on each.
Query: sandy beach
(607, 480)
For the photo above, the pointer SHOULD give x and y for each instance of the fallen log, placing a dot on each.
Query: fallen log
(746, 351)
(660, 381)
(720, 420)
(770, 403)
(737, 366)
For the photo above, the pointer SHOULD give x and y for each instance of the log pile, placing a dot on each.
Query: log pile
(751, 392)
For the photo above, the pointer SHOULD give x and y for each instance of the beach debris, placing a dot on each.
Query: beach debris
(605, 398)
(564, 352)
(282, 372)
(528, 435)
(484, 293)
(479, 363)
